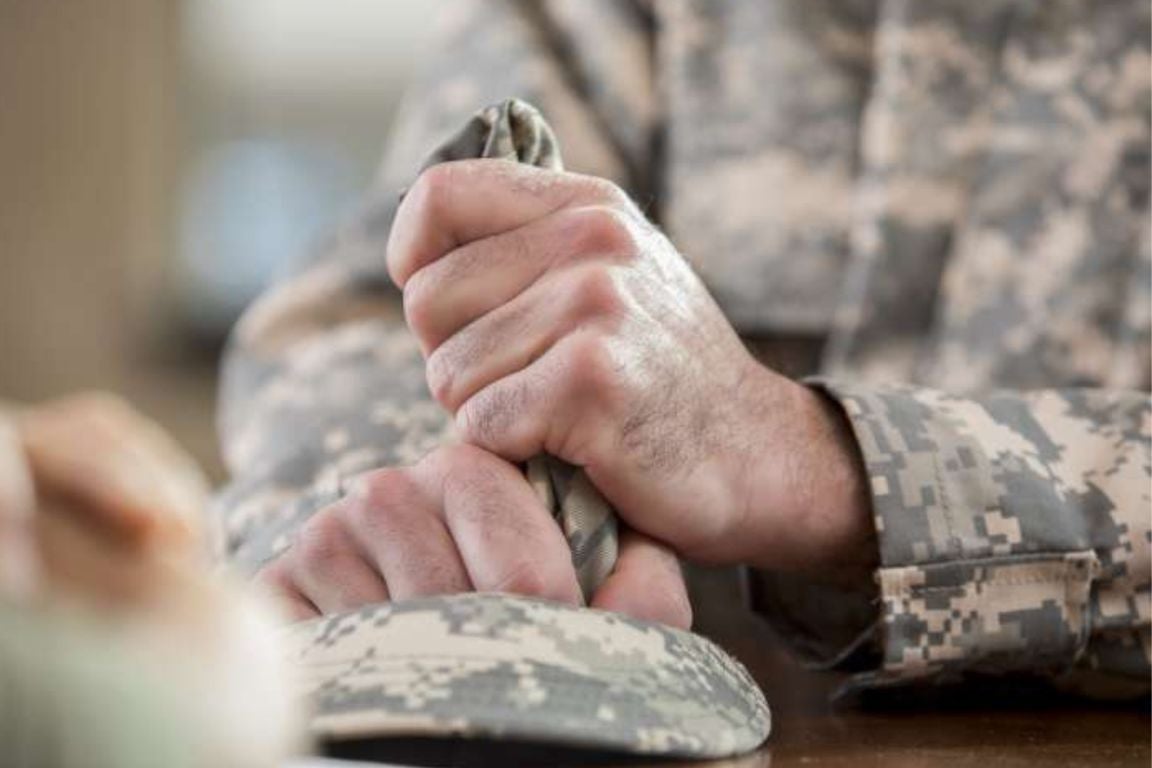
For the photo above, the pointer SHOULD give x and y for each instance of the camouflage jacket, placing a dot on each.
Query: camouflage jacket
(939, 208)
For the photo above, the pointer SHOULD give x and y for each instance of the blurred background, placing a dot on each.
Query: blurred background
(161, 163)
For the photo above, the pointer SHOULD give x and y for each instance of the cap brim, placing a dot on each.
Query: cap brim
(498, 666)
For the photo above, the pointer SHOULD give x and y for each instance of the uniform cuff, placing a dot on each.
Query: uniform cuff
(956, 593)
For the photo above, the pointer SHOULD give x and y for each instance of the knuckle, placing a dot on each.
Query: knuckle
(465, 471)
(604, 229)
(276, 575)
(418, 293)
(439, 371)
(592, 367)
(606, 191)
(428, 192)
(321, 541)
(377, 493)
(453, 459)
(597, 293)
(473, 472)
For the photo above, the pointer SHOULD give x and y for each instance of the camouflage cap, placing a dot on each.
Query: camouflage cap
(500, 666)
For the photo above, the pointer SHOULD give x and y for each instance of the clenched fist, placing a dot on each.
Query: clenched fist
(460, 520)
(555, 317)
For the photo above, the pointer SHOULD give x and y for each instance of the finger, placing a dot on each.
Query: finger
(291, 604)
(646, 583)
(117, 466)
(512, 336)
(507, 539)
(400, 526)
(178, 491)
(451, 292)
(295, 607)
(175, 485)
(328, 567)
(560, 404)
(455, 203)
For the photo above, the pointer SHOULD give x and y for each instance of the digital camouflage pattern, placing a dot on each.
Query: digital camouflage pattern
(504, 666)
(944, 203)
(1014, 529)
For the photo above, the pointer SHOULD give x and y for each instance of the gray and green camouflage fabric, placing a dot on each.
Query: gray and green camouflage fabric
(515, 131)
(940, 207)
(512, 667)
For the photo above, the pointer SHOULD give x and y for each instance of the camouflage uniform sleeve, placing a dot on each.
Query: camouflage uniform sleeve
(321, 379)
(1013, 531)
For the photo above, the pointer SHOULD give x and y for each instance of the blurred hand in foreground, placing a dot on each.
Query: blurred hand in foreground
(115, 631)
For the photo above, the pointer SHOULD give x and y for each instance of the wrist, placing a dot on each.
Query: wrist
(807, 506)
(847, 528)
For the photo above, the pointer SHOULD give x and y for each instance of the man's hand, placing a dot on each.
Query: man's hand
(460, 520)
(101, 500)
(555, 318)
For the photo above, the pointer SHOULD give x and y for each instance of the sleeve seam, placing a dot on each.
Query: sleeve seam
(946, 505)
(993, 582)
(978, 559)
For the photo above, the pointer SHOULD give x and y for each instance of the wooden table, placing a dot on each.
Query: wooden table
(951, 728)
(940, 728)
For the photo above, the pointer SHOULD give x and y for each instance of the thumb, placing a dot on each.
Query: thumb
(646, 583)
